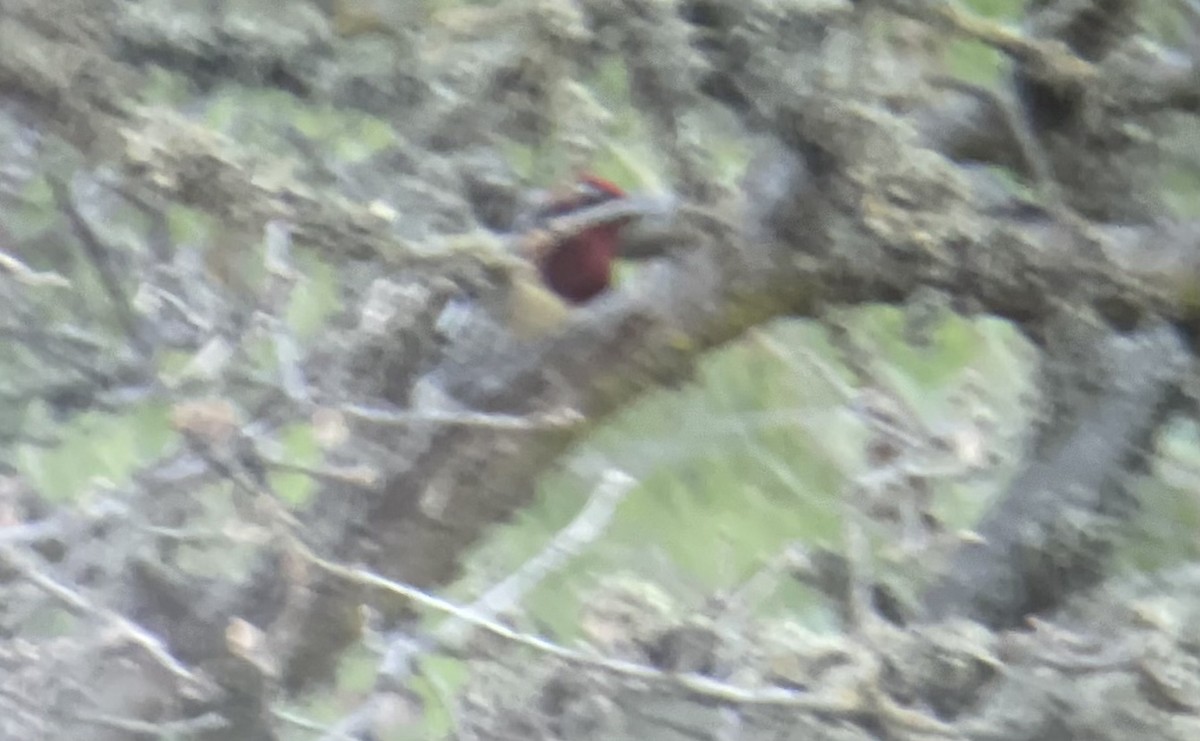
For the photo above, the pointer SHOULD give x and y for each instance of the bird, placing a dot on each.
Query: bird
(575, 256)
(567, 243)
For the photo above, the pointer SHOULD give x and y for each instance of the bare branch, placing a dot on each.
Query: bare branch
(100, 257)
(26, 275)
(404, 417)
(588, 525)
(197, 726)
(695, 684)
(77, 602)
(1052, 59)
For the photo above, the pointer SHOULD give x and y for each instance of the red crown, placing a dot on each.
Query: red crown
(603, 187)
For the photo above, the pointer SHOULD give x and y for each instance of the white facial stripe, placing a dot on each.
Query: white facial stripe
(589, 194)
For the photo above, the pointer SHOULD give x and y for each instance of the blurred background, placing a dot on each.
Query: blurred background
(905, 420)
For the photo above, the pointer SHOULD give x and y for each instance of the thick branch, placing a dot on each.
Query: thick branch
(1048, 535)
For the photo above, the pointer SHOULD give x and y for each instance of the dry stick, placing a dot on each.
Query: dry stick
(823, 368)
(403, 417)
(1018, 124)
(401, 653)
(694, 684)
(859, 612)
(60, 345)
(1053, 57)
(849, 394)
(300, 721)
(588, 525)
(97, 253)
(282, 280)
(76, 602)
(359, 476)
(15, 706)
(30, 532)
(167, 729)
(26, 275)
(20, 326)
(179, 305)
(856, 356)
(861, 618)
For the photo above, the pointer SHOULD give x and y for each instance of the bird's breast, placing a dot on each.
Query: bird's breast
(581, 267)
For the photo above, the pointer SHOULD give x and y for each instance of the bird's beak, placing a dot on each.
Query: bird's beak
(654, 228)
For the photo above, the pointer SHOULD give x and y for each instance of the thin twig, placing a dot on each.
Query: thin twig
(399, 660)
(588, 525)
(1033, 154)
(404, 417)
(26, 275)
(60, 346)
(77, 602)
(300, 721)
(360, 476)
(352, 726)
(98, 254)
(1052, 58)
(788, 356)
(282, 279)
(166, 729)
(694, 684)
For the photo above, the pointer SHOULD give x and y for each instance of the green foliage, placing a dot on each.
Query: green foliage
(522, 158)
(187, 225)
(354, 678)
(315, 298)
(755, 455)
(166, 88)
(356, 671)
(975, 62)
(1165, 531)
(437, 676)
(172, 363)
(996, 8)
(91, 449)
(50, 621)
(252, 116)
(298, 447)
(260, 353)
(624, 153)
(1168, 21)
(35, 212)
(352, 136)
(1182, 179)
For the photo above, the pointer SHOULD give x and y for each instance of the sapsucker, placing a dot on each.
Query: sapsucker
(570, 239)
(575, 260)
(566, 245)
